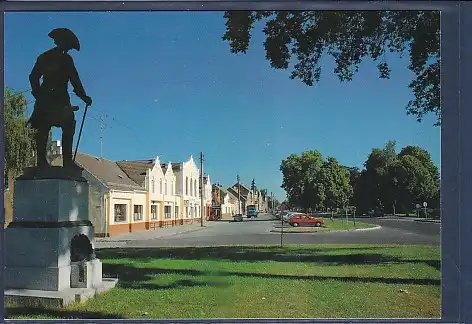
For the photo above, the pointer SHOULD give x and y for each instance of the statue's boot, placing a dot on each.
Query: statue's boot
(67, 138)
(41, 148)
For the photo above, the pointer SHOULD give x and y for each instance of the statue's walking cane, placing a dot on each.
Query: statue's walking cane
(80, 132)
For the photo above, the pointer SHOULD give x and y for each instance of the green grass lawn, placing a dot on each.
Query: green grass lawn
(329, 225)
(321, 281)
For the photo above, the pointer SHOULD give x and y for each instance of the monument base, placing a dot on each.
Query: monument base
(50, 259)
(55, 299)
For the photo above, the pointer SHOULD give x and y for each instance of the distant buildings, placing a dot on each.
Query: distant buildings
(140, 195)
(225, 201)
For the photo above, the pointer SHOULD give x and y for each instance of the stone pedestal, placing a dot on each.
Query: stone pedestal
(49, 246)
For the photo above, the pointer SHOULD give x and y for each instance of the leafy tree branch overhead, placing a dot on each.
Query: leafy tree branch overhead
(303, 37)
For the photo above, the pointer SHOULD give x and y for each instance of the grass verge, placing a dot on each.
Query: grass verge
(320, 281)
(329, 225)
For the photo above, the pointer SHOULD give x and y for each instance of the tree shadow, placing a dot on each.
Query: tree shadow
(14, 312)
(436, 264)
(248, 254)
(138, 278)
(179, 284)
(131, 274)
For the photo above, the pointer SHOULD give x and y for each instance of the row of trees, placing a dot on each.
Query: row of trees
(314, 183)
(389, 183)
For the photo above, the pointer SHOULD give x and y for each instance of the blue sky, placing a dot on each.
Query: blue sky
(167, 85)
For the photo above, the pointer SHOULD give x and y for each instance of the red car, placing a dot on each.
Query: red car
(305, 220)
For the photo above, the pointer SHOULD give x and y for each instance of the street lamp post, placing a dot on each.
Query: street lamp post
(281, 231)
(239, 195)
(202, 191)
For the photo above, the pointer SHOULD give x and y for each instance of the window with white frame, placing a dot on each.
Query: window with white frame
(167, 212)
(191, 187)
(160, 186)
(186, 211)
(120, 213)
(165, 187)
(153, 186)
(176, 211)
(195, 188)
(138, 212)
(154, 212)
(186, 185)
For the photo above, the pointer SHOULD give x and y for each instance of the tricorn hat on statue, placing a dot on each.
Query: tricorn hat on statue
(64, 37)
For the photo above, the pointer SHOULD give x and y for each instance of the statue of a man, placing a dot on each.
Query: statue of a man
(52, 106)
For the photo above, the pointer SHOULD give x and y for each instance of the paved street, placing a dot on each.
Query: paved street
(406, 224)
(257, 231)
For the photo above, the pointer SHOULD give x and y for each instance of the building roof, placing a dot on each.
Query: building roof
(176, 166)
(104, 170)
(235, 194)
(136, 170)
(222, 190)
(231, 196)
(244, 191)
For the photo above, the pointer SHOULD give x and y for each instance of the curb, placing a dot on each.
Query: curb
(335, 231)
(151, 238)
(427, 221)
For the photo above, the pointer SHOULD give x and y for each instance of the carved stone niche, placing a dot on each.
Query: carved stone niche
(85, 268)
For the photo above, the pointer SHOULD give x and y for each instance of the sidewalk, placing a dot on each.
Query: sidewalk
(155, 233)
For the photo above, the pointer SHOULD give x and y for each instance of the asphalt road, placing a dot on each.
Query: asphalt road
(257, 231)
(406, 224)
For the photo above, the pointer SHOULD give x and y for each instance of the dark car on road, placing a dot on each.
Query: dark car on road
(238, 218)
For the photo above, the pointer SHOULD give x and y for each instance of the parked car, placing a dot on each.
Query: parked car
(286, 216)
(289, 215)
(238, 218)
(281, 215)
(305, 220)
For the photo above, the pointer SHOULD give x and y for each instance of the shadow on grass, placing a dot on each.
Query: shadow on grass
(138, 278)
(339, 256)
(15, 312)
(129, 274)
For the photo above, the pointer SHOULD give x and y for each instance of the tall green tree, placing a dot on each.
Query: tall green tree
(312, 191)
(396, 182)
(363, 196)
(253, 185)
(263, 193)
(424, 157)
(418, 178)
(311, 182)
(349, 37)
(19, 136)
(292, 179)
(354, 175)
(378, 183)
(336, 182)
